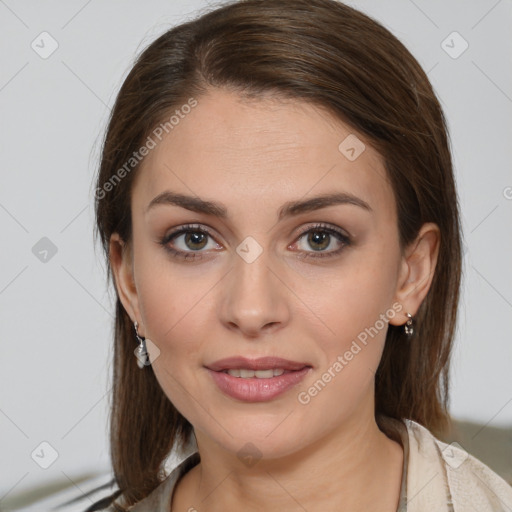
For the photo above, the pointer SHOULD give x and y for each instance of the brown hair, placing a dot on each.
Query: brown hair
(335, 57)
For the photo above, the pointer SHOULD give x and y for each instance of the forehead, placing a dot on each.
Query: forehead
(241, 151)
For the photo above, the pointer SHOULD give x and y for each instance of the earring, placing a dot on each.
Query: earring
(141, 352)
(408, 328)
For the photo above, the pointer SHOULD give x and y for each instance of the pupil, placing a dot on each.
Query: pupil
(319, 238)
(194, 239)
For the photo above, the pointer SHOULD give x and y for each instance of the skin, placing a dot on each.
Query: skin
(253, 157)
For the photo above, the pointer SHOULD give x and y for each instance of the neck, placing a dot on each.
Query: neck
(353, 468)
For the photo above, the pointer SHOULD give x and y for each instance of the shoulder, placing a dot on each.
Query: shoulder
(102, 494)
(468, 483)
(159, 499)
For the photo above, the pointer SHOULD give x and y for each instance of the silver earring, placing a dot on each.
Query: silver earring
(141, 352)
(408, 328)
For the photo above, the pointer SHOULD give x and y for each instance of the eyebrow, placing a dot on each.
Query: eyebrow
(289, 209)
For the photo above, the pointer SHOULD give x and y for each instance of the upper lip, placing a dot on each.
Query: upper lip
(261, 363)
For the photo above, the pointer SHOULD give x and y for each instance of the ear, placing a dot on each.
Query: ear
(121, 262)
(417, 271)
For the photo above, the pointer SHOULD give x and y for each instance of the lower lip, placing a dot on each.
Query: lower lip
(254, 389)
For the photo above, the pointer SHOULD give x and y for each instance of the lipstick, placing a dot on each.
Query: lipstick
(256, 380)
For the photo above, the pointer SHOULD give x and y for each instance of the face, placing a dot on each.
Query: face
(252, 266)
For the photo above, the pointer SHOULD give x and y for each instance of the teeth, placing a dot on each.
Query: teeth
(264, 374)
(259, 374)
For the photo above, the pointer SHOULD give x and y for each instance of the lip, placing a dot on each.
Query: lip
(255, 389)
(261, 363)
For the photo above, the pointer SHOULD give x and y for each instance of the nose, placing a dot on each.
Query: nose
(254, 298)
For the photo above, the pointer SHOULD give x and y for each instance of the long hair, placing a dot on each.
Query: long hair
(339, 59)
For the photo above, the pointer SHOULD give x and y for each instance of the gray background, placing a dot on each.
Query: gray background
(56, 315)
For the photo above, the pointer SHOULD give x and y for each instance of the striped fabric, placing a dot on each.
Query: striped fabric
(71, 499)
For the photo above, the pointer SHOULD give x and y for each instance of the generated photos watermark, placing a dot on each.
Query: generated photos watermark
(150, 143)
(304, 397)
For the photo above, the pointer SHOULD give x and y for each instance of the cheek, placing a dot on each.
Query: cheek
(355, 307)
(349, 299)
(176, 304)
(172, 297)
(354, 303)
(176, 319)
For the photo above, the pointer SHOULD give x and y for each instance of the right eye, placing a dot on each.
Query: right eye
(187, 241)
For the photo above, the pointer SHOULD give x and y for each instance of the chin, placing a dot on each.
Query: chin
(267, 435)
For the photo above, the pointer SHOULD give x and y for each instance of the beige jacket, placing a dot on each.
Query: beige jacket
(436, 477)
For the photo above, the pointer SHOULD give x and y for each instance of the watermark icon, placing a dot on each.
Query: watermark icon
(304, 397)
(44, 455)
(249, 454)
(454, 455)
(44, 249)
(454, 45)
(351, 147)
(507, 192)
(149, 144)
(249, 249)
(44, 45)
(149, 357)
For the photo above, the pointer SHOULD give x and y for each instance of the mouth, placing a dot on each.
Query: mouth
(257, 380)
(244, 373)
(261, 364)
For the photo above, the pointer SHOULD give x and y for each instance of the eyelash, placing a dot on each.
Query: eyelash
(194, 228)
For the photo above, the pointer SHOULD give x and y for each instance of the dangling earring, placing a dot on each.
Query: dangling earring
(408, 328)
(141, 352)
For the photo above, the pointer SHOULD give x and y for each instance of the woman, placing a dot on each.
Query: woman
(277, 205)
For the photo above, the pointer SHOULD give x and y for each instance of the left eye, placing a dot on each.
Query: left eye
(324, 240)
